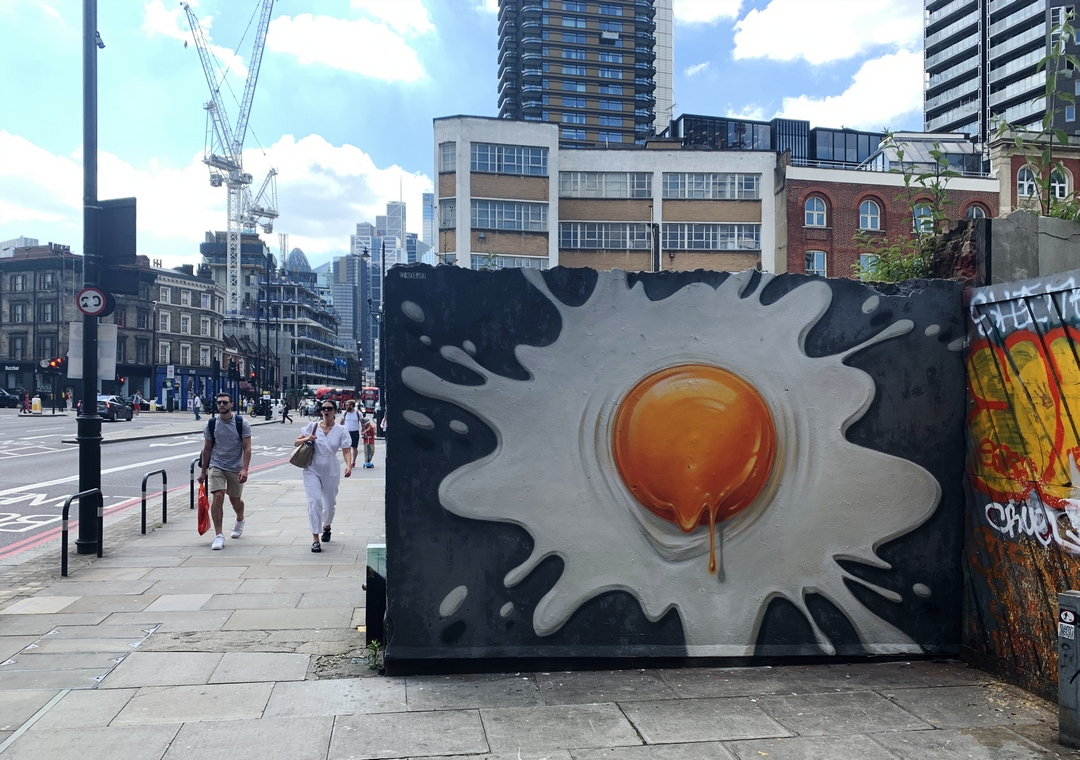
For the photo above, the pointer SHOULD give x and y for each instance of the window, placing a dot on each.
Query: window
(610, 121)
(17, 347)
(975, 212)
(610, 105)
(720, 186)
(815, 212)
(120, 317)
(204, 356)
(48, 312)
(509, 159)
(1059, 186)
(612, 236)
(121, 351)
(610, 10)
(712, 237)
(18, 313)
(573, 118)
(573, 5)
(611, 89)
(922, 220)
(815, 263)
(185, 298)
(605, 185)
(606, 57)
(185, 353)
(163, 321)
(576, 71)
(143, 320)
(164, 295)
(572, 134)
(609, 137)
(18, 282)
(1025, 183)
(610, 26)
(573, 22)
(545, 67)
(447, 157)
(576, 38)
(447, 214)
(164, 353)
(185, 324)
(571, 86)
(572, 102)
(48, 280)
(204, 326)
(1070, 113)
(142, 352)
(610, 73)
(573, 54)
(866, 260)
(205, 300)
(47, 346)
(509, 215)
(869, 216)
(509, 262)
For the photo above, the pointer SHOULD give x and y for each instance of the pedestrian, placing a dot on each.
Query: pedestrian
(351, 420)
(285, 413)
(196, 404)
(321, 476)
(63, 402)
(135, 402)
(226, 455)
(368, 430)
(25, 403)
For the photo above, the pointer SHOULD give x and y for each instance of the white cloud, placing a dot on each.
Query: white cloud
(697, 68)
(749, 112)
(705, 11)
(882, 90)
(50, 10)
(323, 191)
(361, 46)
(172, 22)
(489, 6)
(828, 30)
(403, 16)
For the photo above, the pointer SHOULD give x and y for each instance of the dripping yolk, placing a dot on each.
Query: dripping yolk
(694, 444)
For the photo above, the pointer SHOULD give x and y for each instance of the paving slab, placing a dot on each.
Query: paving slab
(840, 714)
(286, 738)
(695, 751)
(39, 625)
(108, 743)
(974, 706)
(65, 645)
(858, 676)
(102, 631)
(217, 559)
(584, 687)
(10, 645)
(201, 620)
(264, 620)
(95, 573)
(472, 691)
(180, 704)
(111, 603)
(285, 571)
(967, 744)
(813, 748)
(162, 669)
(356, 597)
(538, 729)
(394, 735)
(40, 605)
(245, 667)
(337, 697)
(75, 587)
(178, 603)
(701, 720)
(195, 587)
(22, 680)
(103, 661)
(86, 708)
(726, 682)
(193, 573)
(950, 673)
(18, 707)
(252, 601)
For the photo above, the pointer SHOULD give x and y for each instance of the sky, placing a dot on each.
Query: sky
(347, 92)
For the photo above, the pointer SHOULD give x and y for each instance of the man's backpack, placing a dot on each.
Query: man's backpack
(239, 428)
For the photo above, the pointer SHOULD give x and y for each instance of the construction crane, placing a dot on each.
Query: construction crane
(224, 155)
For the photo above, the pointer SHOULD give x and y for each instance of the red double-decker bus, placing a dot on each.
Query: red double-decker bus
(369, 397)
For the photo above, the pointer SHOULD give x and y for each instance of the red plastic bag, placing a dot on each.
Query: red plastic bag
(204, 510)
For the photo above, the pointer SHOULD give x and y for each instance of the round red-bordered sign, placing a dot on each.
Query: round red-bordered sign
(92, 301)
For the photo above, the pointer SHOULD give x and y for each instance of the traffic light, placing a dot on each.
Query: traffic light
(57, 365)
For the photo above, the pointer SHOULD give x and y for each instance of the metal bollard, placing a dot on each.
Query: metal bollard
(64, 527)
(164, 497)
(196, 461)
(1068, 669)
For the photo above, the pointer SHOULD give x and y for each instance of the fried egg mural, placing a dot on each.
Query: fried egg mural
(684, 452)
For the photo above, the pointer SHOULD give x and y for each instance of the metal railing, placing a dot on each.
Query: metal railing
(196, 461)
(164, 497)
(64, 526)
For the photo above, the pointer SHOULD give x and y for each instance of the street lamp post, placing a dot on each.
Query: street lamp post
(380, 373)
(153, 350)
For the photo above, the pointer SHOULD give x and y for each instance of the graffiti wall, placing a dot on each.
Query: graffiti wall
(1024, 488)
(693, 464)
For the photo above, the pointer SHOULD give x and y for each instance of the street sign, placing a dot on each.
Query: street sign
(170, 371)
(91, 301)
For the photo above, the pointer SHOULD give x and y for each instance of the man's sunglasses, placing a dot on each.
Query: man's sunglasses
(223, 403)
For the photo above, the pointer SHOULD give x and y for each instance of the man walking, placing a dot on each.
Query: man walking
(196, 404)
(350, 418)
(367, 429)
(226, 455)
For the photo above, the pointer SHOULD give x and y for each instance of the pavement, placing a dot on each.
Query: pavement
(165, 649)
(185, 425)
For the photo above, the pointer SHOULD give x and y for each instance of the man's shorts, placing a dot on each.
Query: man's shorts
(223, 480)
(355, 435)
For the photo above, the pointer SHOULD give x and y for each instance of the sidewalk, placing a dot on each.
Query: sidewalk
(164, 649)
(113, 432)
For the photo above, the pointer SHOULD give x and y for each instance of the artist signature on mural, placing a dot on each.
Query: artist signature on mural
(1034, 519)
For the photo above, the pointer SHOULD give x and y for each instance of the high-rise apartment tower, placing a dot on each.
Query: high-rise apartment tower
(602, 70)
(982, 63)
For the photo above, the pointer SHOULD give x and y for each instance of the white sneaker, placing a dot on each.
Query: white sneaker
(219, 543)
(238, 529)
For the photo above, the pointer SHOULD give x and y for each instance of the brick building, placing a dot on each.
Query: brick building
(1018, 189)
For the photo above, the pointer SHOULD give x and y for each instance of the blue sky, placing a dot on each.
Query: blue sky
(347, 92)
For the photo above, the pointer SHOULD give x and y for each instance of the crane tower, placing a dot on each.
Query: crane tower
(224, 154)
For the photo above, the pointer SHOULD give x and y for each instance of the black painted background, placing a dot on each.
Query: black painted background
(917, 414)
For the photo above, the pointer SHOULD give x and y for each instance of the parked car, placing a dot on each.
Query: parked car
(8, 400)
(112, 408)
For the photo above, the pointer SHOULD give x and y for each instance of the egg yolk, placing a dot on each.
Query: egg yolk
(695, 445)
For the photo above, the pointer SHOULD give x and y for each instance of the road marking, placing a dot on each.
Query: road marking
(73, 478)
(35, 437)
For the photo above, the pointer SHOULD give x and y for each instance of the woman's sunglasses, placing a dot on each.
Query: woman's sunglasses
(328, 409)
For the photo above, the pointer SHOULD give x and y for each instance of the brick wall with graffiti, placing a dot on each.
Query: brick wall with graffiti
(691, 464)
(1023, 543)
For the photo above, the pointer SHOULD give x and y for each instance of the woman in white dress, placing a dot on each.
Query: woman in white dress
(322, 476)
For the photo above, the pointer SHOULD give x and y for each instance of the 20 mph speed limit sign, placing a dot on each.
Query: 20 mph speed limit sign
(91, 302)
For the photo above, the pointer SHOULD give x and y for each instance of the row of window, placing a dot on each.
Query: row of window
(578, 70)
(604, 137)
(1025, 183)
(47, 347)
(165, 324)
(577, 22)
(714, 186)
(165, 296)
(20, 313)
(870, 214)
(605, 185)
(816, 260)
(677, 236)
(578, 6)
(46, 281)
(509, 215)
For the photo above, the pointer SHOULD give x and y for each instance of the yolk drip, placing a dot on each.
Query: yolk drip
(695, 445)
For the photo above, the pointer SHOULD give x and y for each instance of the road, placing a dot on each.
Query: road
(38, 471)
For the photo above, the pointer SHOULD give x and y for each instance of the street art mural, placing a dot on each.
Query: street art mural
(671, 465)
(1023, 367)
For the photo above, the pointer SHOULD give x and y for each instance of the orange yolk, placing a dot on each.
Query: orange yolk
(695, 445)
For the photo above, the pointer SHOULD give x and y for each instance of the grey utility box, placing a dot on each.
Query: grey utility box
(1068, 669)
